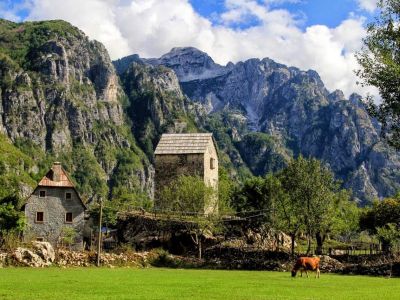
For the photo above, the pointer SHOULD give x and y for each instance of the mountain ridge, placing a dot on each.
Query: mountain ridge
(294, 108)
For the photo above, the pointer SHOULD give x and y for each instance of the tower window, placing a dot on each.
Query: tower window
(39, 217)
(42, 194)
(68, 196)
(68, 217)
(212, 163)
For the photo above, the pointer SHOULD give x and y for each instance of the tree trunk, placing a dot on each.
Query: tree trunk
(199, 247)
(386, 247)
(277, 241)
(320, 238)
(293, 237)
(308, 244)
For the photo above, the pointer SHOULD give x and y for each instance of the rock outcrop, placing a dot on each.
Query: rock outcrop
(156, 104)
(41, 255)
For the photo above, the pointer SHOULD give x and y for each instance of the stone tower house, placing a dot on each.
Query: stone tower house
(53, 205)
(191, 154)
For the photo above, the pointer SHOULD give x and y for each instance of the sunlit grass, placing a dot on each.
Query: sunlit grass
(124, 283)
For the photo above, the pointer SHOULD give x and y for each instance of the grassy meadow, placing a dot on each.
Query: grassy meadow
(153, 283)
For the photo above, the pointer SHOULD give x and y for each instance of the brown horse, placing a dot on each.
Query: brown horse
(306, 264)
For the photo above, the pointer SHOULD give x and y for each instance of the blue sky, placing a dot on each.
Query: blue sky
(323, 35)
(311, 12)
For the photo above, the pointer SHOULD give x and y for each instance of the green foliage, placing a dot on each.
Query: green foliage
(21, 40)
(380, 62)
(11, 217)
(226, 189)
(389, 235)
(383, 219)
(88, 174)
(15, 169)
(303, 197)
(381, 213)
(186, 195)
(346, 217)
(68, 235)
(188, 198)
(10, 239)
(313, 198)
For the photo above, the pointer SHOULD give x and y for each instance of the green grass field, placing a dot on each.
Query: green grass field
(124, 283)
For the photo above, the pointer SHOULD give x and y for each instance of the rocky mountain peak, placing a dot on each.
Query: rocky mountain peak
(336, 95)
(189, 64)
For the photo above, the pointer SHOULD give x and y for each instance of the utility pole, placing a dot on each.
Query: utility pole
(100, 233)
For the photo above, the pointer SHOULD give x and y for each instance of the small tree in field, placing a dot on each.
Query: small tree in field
(312, 200)
(186, 198)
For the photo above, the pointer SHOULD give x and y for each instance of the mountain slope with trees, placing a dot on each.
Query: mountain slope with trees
(60, 99)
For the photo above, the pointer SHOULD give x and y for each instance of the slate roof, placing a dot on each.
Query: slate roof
(183, 143)
(56, 177)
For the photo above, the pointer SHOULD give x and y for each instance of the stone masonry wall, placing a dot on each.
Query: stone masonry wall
(211, 176)
(54, 206)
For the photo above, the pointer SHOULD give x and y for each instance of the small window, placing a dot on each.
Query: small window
(68, 196)
(212, 163)
(42, 194)
(39, 217)
(68, 217)
(40, 239)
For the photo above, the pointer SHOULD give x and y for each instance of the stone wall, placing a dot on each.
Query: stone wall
(54, 207)
(211, 176)
(169, 166)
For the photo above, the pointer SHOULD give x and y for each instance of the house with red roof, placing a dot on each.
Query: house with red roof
(54, 205)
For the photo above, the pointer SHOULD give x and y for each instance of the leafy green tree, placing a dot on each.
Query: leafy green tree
(313, 198)
(389, 235)
(226, 188)
(380, 62)
(346, 221)
(11, 216)
(256, 200)
(12, 219)
(380, 219)
(110, 212)
(67, 236)
(186, 198)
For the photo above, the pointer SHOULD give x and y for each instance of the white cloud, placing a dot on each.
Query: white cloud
(152, 27)
(95, 17)
(368, 5)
